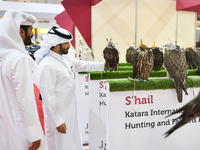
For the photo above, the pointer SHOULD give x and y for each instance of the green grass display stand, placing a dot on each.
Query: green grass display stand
(151, 84)
(125, 71)
(124, 64)
(128, 66)
(129, 73)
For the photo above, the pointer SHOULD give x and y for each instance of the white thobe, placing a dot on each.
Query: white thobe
(58, 94)
(19, 121)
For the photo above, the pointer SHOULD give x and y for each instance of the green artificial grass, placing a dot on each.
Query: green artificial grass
(124, 64)
(128, 66)
(125, 71)
(151, 84)
(124, 68)
(129, 73)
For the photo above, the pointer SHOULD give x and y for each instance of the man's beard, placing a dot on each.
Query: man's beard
(64, 51)
(27, 40)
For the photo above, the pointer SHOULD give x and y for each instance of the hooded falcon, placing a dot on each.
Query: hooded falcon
(130, 53)
(87, 54)
(176, 66)
(111, 56)
(188, 112)
(143, 64)
(196, 57)
(158, 57)
(189, 53)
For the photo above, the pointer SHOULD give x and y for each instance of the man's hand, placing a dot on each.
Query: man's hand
(35, 145)
(62, 128)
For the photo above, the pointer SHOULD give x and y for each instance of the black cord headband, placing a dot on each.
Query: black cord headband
(56, 32)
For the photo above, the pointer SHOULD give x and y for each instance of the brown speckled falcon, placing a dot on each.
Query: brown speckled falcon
(111, 56)
(188, 112)
(130, 52)
(189, 57)
(176, 66)
(144, 64)
(158, 59)
(196, 58)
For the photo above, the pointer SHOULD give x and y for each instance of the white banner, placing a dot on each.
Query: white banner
(82, 93)
(137, 121)
(97, 116)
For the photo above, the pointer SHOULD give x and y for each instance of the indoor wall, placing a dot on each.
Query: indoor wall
(157, 21)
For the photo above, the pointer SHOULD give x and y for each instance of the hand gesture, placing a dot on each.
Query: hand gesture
(62, 128)
(35, 145)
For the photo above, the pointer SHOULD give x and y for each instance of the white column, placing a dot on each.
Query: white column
(136, 7)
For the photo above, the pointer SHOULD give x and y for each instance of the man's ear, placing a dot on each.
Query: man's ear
(57, 46)
(22, 32)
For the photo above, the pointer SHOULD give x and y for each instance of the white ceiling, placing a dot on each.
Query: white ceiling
(37, 1)
(44, 12)
(39, 10)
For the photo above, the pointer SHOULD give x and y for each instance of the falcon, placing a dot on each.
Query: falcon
(87, 54)
(189, 53)
(130, 54)
(158, 59)
(143, 64)
(188, 112)
(196, 57)
(111, 56)
(176, 66)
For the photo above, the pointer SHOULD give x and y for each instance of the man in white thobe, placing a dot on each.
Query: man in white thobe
(20, 128)
(57, 89)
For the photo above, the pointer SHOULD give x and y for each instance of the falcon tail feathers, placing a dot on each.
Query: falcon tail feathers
(179, 93)
(178, 125)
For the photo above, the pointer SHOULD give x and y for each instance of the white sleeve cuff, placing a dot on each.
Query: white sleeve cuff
(58, 120)
(34, 133)
(100, 66)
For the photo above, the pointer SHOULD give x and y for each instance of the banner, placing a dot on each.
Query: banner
(82, 93)
(97, 115)
(136, 120)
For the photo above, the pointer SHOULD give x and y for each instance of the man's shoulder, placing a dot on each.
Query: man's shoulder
(49, 62)
(16, 56)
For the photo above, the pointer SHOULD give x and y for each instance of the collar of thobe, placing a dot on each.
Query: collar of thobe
(60, 58)
(56, 55)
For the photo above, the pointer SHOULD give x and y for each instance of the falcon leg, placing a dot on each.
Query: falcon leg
(107, 67)
(140, 79)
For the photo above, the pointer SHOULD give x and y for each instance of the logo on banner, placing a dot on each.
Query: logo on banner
(139, 100)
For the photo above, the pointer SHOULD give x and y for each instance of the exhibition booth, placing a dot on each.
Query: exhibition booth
(116, 113)
(124, 114)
